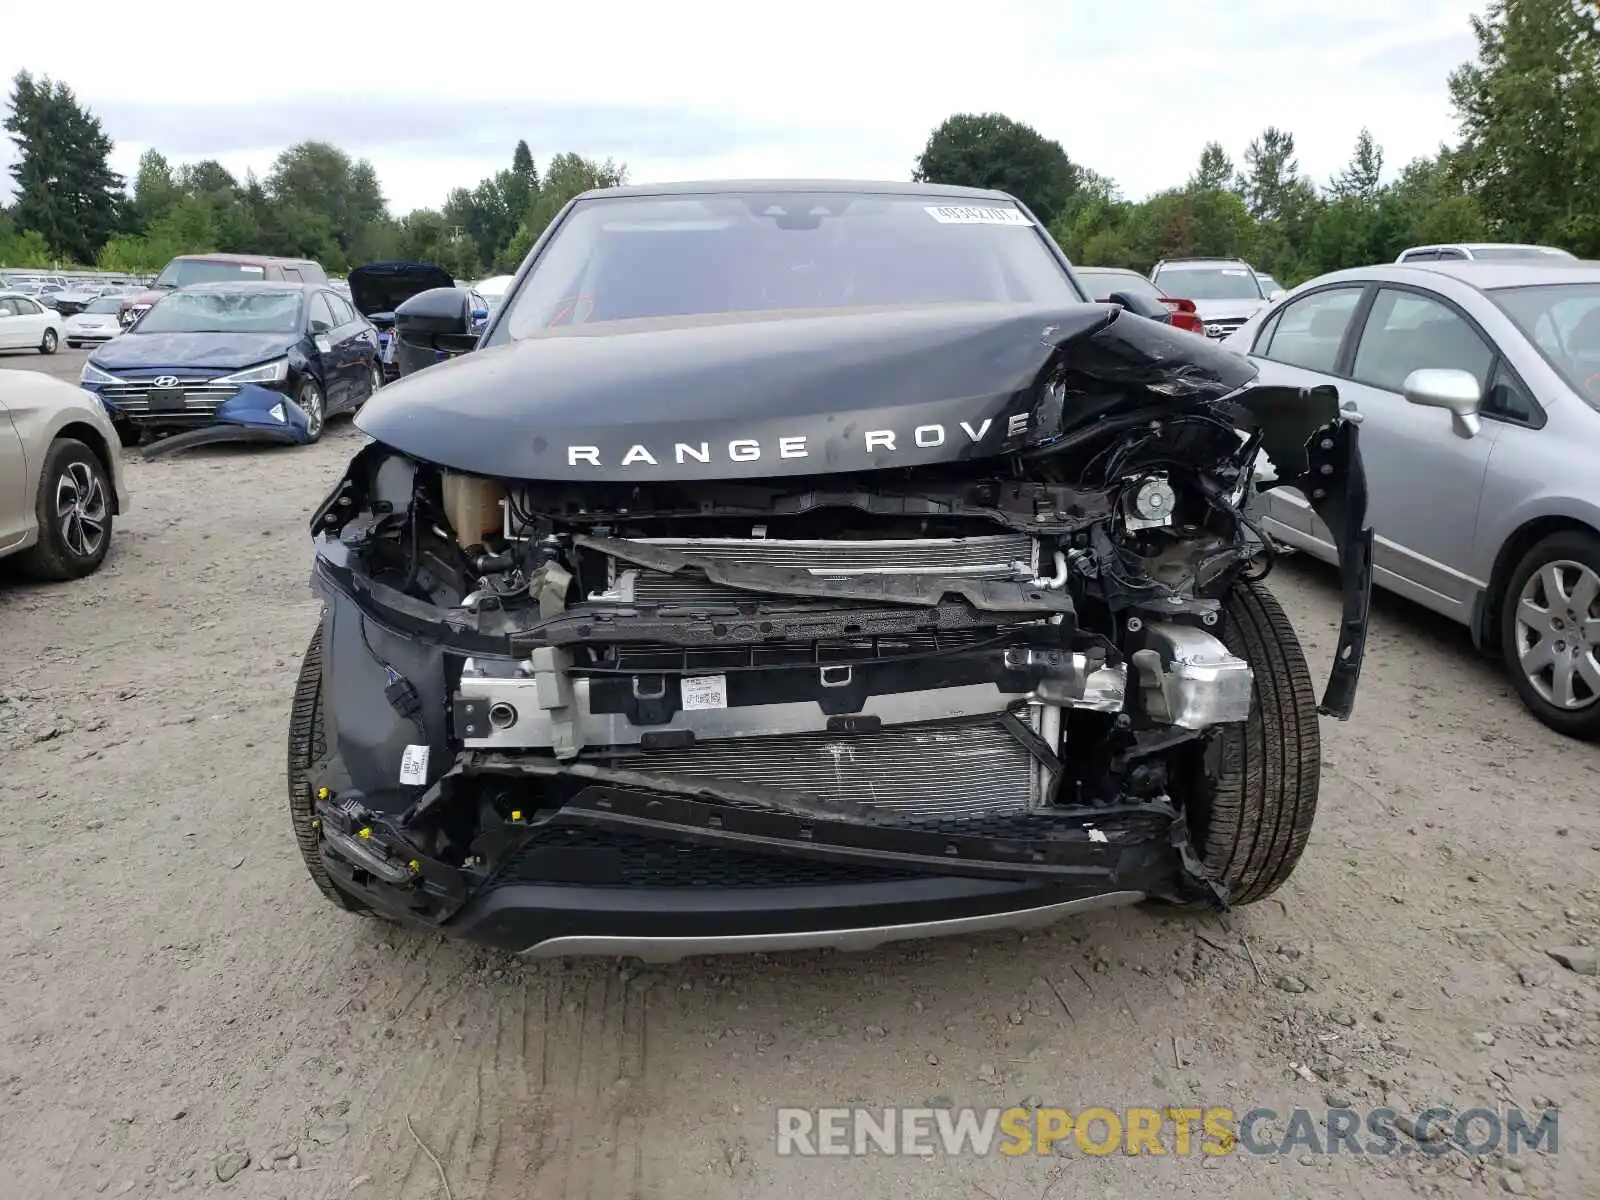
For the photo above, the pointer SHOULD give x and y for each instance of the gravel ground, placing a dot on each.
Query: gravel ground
(181, 1012)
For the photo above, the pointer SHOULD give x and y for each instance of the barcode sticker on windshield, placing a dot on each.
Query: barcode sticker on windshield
(965, 214)
(704, 691)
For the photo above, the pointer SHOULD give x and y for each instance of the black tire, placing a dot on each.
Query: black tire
(48, 343)
(306, 745)
(310, 398)
(1575, 643)
(1252, 803)
(375, 379)
(72, 543)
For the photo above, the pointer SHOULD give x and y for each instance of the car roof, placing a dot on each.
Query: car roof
(224, 256)
(854, 186)
(254, 285)
(1206, 262)
(1479, 274)
(1118, 270)
(1554, 251)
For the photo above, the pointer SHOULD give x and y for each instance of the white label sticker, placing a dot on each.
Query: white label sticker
(414, 765)
(324, 345)
(704, 691)
(965, 214)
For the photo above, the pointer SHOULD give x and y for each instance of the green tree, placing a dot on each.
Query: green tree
(321, 188)
(427, 236)
(1530, 118)
(1215, 172)
(565, 176)
(989, 150)
(155, 187)
(66, 189)
(1270, 173)
(1360, 180)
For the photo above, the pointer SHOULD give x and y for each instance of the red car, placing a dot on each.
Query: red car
(1102, 281)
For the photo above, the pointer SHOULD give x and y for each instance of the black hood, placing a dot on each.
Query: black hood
(794, 394)
(381, 287)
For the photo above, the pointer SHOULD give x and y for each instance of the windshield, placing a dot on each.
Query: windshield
(184, 271)
(1210, 283)
(653, 256)
(1563, 321)
(105, 304)
(223, 312)
(1520, 253)
(1103, 283)
(1269, 284)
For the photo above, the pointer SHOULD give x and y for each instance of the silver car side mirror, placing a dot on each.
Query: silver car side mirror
(1455, 391)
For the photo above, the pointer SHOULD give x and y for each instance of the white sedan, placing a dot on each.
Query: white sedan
(97, 323)
(25, 324)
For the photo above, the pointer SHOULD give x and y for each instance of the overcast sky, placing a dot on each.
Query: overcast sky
(707, 89)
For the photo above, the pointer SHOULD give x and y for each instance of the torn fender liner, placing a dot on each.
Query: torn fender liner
(1316, 450)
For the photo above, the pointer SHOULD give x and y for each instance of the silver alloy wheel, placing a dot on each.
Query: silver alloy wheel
(81, 508)
(376, 382)
(1558, 634)
(310, 399)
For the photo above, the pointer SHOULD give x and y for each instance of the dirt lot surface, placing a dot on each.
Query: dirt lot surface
(180, 1011)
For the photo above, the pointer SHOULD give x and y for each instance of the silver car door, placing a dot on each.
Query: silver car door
(1299, 346)
(1424, 481)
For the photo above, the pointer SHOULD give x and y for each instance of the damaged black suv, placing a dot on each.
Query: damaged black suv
(810, 564)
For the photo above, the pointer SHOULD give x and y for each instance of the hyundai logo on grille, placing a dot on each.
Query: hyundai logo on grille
(164, 381)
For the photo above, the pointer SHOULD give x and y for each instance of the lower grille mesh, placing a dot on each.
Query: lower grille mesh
(601, 858)
(920, 771)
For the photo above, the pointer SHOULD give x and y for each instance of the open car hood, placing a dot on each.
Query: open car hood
(381, 287)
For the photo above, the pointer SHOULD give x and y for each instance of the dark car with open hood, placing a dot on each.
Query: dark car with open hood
(803, 564)
(378, 288)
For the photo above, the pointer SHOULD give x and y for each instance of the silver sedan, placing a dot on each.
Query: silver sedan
(1479, 388)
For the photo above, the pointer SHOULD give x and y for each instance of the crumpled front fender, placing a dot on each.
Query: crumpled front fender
(1315, 447)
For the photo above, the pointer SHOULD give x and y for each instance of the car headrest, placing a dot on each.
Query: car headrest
(1585, 335)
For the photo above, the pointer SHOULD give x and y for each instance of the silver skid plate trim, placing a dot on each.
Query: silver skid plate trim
(867, 937)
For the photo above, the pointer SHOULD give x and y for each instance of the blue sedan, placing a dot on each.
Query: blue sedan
(263, 362)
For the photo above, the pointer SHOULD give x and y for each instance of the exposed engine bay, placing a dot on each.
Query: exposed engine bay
(1011, 668)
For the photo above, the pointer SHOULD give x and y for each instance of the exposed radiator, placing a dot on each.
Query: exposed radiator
(992, 556)
(927, 771)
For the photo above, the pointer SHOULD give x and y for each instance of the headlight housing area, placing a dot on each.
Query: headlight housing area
(93, 374)
(275, 371)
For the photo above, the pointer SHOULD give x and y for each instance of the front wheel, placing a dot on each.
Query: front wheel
(73, 507)
(1252, 800)
(1550, 632)
(48, 343)
(309, 397)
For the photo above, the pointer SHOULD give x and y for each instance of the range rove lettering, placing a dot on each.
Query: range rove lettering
(744, 450)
